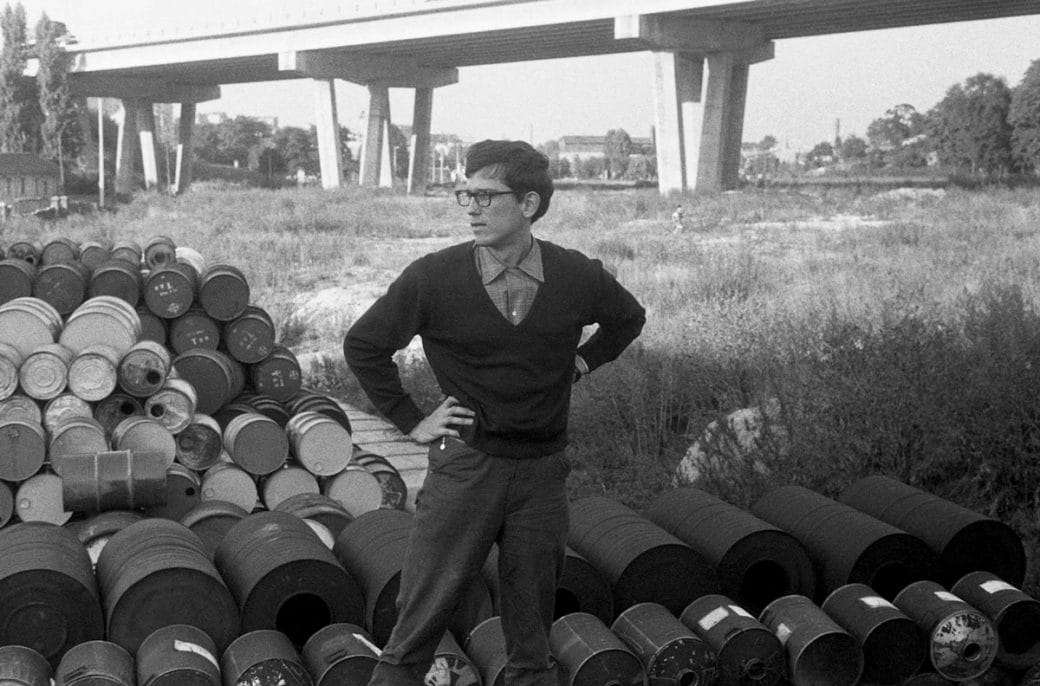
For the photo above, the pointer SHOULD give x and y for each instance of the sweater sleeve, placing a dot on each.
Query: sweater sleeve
(370, 343)
(620, 318)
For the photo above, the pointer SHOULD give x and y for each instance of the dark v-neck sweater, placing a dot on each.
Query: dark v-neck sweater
(517, 378)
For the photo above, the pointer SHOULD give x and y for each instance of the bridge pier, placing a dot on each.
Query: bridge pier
(126, 148)
(419, 160)
(185, 127)
(330, 147)
(375, 158)
(145, 111)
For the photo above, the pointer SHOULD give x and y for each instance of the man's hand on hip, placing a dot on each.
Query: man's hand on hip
(442, 422)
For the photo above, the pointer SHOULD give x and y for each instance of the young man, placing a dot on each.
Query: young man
(500, 318)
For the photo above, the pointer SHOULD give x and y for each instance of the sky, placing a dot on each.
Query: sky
(813, 88)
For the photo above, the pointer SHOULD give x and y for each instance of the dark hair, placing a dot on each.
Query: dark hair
(517, 165)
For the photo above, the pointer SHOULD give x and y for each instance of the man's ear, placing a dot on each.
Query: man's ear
(529, 203)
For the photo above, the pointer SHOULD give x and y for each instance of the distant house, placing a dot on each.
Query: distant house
(23, 175)
(574, 148)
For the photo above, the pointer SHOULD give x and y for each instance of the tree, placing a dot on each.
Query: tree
(899, 124)
(970, 128)
(853, 148)
(53, 80)
(1024, 118)
(617, 148)
(767, 143)
(821, 154)
(19, 107)
(298, 149)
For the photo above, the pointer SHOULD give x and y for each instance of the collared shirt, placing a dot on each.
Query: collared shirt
(512, 289)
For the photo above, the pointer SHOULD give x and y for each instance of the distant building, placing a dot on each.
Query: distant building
(575, 148)
(23, 175)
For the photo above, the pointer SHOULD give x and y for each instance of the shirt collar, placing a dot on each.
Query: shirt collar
(491, 267)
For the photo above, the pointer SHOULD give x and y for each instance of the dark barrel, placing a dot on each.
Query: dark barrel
(210, 520)
(63, 285)
(21, 666)
(216, 377)
(284, 577)
(748, 653)
(263, 657)
(310, 400)
(95, 253)
(170, 290)
(847, 546)
(964, 540)
(128, 250)
(223, 292)
(16, 279)
(95, 531)
(193, 329)
(153, 327)
(277, 375)
(670, 651)
(159, 251)
(155, 572)
(642, 561)
(592, 655)
(340, 654)
(372, 548)
(58, 250)
(893, 646)
(819, 651)
(117, 278)
(113, 480)
(250, 336)
(962, 642)
(26, 249)
(1015, 615)
(256, 443)
(48, 594)
(755, 561)
(95, 663)
(319, 508)
(111, 411)
(178, 655)
(486, 646)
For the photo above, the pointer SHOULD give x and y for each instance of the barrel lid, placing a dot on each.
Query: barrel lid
(250, 338)
(22, 449)
(24, 327)
(320, 444)
(200, 443)
(229, 482)
(223, 292)
(356, 488)
(100, 320)
(92, 374)
(193, 329)
(38, 499)
(20, 406)
(144, 434)
(115, 408)
(63, 285)
(183, 493)
(172, 406)
(287, 482)
(76, 436)
(16, 277)
(170, 290)
(116, 278)
(256, 443)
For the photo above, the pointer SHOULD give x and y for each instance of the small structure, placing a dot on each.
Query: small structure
(27, 182)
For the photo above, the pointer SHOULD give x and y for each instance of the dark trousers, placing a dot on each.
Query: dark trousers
(469, 501)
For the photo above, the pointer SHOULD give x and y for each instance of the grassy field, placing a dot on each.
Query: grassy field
(894, 332)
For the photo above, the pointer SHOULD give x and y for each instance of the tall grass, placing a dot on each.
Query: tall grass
(896, 333)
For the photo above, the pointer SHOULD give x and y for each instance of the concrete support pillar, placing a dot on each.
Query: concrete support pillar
(723, 122)
(145, 112)
(330, 149)
(185, 126)
(419, 161)
(126, 147)
(86, 127)
(677, 86)
(372, 151)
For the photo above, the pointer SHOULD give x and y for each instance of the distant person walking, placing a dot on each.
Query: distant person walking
(500, 318)
(677, 220)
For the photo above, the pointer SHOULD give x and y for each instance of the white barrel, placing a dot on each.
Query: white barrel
(146, 435)
(21, 406)
(356, 489)
(92, 372)
(319, 443)
(103, 319)
(10, 360)
(45, 371)
(173, 405)
(28, 323)
(287, 482)
(38, 499)
(62, 408)
(143, 368)
(199, 445)
(228, 482)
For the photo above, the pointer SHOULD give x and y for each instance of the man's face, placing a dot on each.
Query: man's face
(506, 221)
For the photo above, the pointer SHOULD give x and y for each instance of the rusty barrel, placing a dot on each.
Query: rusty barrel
(156, 572)
(277, 375)
(159, 251)
(10, 361)
(263, 657)
(486, 646)
(286, 482)
(110, 411)
(113, 480)
(592, 655)
(63, 285)
(193, 329)
(104, 320)
(95, 532)
(173, 405)
(200, 443)
(38, 499)
(819, 651)
(48, 593)
(642, 561)
(319, 443)
(894, 647)
(267, 406)
(75, 436)
(250, 337)
(964, 540)
(356, 488)
(748, 653)
(29, 323)
(182, 491)
(962, 642)
(21, 666)
(16, 279)
(23, 448)
(451, 665)
(59, 250)
(372, 548)
(670, 651)
(340, 654)
(228, 482)
(1014, 614)
(223, 292)
(210, 520)
(116, 278)
(178, 655)
(284, 577)
(309, 400)
(45, 372)
(847, 545)
(26, 249)
(153, 328)
(256, 443)
(395, 490)
(143, 369)
(141, 433)
(756, 562)
(127, 250)
(216, 377)
(92, 372)
(170, 290)
(95, 253)
(62, 408)
(319, 508)
(95, 663)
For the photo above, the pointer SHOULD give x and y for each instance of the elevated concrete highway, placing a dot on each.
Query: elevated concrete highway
(702, 51)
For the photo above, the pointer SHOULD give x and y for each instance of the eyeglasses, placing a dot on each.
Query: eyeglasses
(483, 198)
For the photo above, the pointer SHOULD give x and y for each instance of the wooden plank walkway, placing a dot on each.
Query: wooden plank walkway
(376, 435)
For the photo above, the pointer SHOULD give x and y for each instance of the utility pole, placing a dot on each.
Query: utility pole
(101, 152)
